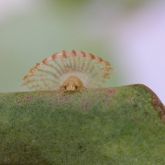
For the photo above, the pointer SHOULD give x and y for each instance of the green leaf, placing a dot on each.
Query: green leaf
(117, 126)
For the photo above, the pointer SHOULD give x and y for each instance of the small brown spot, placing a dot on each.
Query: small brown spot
(54, 56)
(111, 92)
(92, 56)
(45, 61)
(64, 54)
(74, 53)
(32, 70)
(100, 59)
(37, 66)
(107, 64)
(25, 77)
(83, 53)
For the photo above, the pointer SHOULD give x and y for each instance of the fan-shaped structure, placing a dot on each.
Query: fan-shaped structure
(68, 68)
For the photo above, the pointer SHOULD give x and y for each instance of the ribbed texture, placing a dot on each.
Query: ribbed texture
(54, 70)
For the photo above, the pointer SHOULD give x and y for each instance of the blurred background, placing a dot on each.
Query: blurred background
(128, 33)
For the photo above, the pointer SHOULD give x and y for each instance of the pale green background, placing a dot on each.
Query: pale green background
(31, 30)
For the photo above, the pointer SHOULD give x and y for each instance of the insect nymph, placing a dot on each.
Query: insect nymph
(68, 71)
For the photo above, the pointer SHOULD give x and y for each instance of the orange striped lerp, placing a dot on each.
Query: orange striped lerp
(68, 71)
